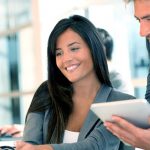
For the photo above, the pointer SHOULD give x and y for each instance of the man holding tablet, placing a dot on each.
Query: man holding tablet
(126, 131)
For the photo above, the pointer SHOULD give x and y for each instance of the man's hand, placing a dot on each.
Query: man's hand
(127, 132)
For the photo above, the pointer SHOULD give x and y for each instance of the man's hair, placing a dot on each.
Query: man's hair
(148, 47)
(127, 1)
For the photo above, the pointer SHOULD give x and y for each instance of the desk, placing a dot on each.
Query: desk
(7, 143)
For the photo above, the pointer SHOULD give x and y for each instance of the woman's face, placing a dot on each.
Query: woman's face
(73, 57)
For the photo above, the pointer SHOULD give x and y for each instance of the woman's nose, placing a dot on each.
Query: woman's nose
(67, 56)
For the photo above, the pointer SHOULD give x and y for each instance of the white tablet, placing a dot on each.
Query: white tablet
(135, 111)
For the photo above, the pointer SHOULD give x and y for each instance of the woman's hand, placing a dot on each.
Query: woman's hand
(127, 132)
(15, 130)
(20, 145)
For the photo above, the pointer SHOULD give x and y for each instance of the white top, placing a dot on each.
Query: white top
(70, 137)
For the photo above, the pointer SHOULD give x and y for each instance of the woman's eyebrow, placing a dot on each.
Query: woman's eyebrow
(73, 43)
(70, 44)
(58, 49)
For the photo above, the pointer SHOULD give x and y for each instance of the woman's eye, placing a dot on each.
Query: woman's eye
(74, 48)
(59, 53)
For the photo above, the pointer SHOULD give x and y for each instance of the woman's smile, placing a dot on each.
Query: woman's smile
(72, 68)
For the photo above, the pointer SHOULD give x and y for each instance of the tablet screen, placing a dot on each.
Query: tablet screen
(136, 111)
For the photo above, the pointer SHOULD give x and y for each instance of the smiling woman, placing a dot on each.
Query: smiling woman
(77, 77)
(75, 57)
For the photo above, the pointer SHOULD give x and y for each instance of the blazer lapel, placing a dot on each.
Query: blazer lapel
(92, 119)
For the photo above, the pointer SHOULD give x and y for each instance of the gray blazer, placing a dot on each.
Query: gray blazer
(93, 135)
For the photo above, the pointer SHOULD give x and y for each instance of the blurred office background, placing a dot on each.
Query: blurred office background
(24, 29)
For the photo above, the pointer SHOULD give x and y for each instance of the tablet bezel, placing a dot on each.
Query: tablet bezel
(136, 111)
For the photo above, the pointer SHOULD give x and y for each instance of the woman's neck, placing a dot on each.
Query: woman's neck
(83, 97)
(86, 90)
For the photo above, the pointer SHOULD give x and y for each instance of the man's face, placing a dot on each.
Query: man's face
(142, 13)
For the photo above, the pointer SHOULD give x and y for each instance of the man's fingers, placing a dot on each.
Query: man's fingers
(119, 132)
(124, 130)
(115, 129)
(122, 123)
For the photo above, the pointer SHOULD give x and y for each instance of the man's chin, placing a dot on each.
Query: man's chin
(148, 38)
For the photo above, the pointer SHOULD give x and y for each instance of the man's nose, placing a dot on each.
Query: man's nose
(144, 28)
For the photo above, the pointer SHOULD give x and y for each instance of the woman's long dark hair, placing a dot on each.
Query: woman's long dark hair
(59, 87)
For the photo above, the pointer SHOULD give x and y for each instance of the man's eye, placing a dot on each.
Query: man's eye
(138, 19)
(148, 19)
